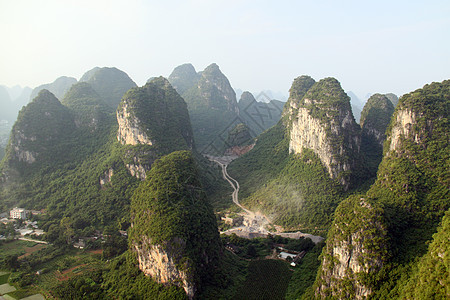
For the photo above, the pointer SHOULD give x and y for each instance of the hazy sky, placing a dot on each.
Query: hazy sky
(381, 46)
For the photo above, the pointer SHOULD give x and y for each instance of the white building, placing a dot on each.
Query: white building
(18, 213)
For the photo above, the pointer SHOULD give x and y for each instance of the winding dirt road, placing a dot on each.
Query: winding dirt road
(257, 220)
(234, 184)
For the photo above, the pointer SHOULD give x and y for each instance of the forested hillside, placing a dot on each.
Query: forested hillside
(410, 195)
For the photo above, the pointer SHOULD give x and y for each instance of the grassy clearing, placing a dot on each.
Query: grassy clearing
(267, 279)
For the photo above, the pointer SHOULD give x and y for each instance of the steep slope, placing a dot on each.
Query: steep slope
(393, 98)
(298, 89)
(430, 278)
(174, 231)
(259, 116)
(110, 83)
(375, 119)
(294, 189)
(355, 252)
(58, 87)
(6, 105)
(88, 107)
(212, 108)
(413, 189)
(39, 126)
(239, 135)
(183, 78)
(12, 100)
(153, 121)
(62, 160)
(324, 123)
(357, 105)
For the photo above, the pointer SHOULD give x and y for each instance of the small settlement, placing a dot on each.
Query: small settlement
(19, 218)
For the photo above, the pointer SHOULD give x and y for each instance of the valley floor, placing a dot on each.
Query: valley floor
(254, 224)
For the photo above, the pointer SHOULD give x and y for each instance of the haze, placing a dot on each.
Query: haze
(377, 47)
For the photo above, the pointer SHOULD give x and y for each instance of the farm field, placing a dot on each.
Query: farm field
(19, 248)
(47, 268)
(267, 279)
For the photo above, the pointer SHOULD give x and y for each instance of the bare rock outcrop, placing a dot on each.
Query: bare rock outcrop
(153, 120)
(356, 250)
(323, 122)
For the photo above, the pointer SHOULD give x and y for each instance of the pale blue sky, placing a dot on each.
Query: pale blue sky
(369, 46)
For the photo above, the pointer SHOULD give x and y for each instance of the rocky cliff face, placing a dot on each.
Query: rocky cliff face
(412, 189)
(174, 231)
(298, 89)
(162, 263)
(322, 121)
(130, 131)
(356, 250)
(403, 127)
(155, 120)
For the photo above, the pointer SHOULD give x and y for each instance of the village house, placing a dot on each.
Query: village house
(18, 213)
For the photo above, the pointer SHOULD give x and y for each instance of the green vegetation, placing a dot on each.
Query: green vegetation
(377, 113)
(393, 98)
(70, 161)
(302, 194)
(295, 190)
(4, 276)
(58, 87)
(212, 106)
(183, 78)
(259, 116)
(110, 83)
(429, 278)
(16, 248)
(162, 115)
(411, 194)
(120, 279)
(263, 163)
(2, 153)
(326, 99)
(88, 108)
(238, 136)
(375, 118)
(266, 279)
(40, 125)
(358, 229)
(170, 209)
(304, 274)
(297, 91)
